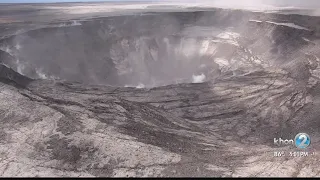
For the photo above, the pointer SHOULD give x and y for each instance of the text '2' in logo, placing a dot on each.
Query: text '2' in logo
(302, 140)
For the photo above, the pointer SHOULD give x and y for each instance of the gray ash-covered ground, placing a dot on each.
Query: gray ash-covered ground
(208, 92)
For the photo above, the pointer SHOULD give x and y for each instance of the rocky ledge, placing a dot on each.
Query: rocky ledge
(221, 128)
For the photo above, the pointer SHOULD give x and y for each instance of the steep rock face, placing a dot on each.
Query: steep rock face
(225, 128)
(8, 75)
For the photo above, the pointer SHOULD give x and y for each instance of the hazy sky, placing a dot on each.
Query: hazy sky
(296, 3)
(49, 1)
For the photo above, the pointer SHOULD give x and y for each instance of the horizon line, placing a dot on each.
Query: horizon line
(84, 1)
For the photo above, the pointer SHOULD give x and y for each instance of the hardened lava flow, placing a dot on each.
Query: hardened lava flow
(162, 94)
